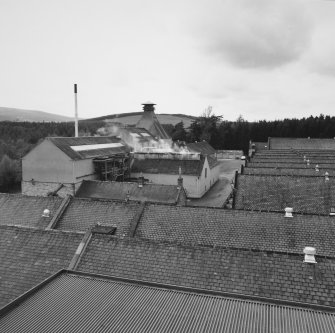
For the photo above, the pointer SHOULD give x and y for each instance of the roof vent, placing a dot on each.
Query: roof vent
(309, 255)
(305, 158)
(46, 213)
(307, 162)
(317, 168)
(332, 211)
(326, 176)
(288, 212)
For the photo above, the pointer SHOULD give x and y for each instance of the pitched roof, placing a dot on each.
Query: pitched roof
(111, 304)
(265, 274)
(89, 146)
(312, 195)
(150, 122)
(170, 167)
(81, 214)
(17, 209)
(301, 143)
(28, 256)
(237, 229)
(202, 147)
(287, 171)
(120, 190)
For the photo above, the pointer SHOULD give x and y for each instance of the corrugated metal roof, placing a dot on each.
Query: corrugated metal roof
(65, 144)
(80, 303)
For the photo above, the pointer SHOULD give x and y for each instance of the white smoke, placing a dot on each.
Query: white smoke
(142, 144)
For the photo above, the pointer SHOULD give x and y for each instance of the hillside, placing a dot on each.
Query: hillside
(12, 114)
(133, 117)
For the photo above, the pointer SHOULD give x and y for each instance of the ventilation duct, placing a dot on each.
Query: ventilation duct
(310, 255)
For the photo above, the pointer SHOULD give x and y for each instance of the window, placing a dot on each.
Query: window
(205, 172)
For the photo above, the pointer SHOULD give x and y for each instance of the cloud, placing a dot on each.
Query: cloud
(258, 33)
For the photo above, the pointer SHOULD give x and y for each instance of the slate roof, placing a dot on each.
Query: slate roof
(170, 167)
(28, 256)
(264, 274)
(65, 143)
(311, 195)
(287, 171)
(120, 190)
(114, 305)
(81, 214)
(237, 229)
(301, 143)
(202, 147)
(17, 209)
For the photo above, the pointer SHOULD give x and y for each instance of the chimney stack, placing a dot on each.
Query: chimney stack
(180, 179)
(141, 180)
(75, 111)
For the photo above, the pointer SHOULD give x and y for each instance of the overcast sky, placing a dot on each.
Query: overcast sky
(262, 59)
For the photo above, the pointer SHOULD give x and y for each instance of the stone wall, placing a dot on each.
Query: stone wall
(34, 188)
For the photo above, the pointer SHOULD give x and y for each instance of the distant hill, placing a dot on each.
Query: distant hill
(12, 114)
(133, 117)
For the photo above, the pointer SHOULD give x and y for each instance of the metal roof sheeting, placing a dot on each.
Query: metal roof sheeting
(79, 303)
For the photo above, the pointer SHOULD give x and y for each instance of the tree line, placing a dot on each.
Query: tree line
(18, 138)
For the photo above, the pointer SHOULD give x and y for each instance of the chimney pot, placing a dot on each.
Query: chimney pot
(288, 212)
(310, 255)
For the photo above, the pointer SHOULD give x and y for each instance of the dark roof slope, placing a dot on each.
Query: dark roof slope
(65, 143)
(301, 143)
(312, 195)
(170, 167)
(202, 147)
(28, 256)
(97, 306)
(82, 214)
(120, 190)
(265, 274)
(237, 229)
(17, 209)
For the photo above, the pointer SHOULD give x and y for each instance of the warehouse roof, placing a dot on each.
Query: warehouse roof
(81, 214)
(28, 256)
(17, 209)
(237, 229)
(110, 304)
(313, 195)
(168, 166)
(89, 146)
(258, 273)
(301, 143)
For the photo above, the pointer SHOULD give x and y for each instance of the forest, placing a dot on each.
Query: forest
(18, 138)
